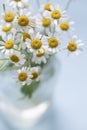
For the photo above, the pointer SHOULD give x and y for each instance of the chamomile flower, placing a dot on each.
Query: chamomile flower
(44, 23)
(45, 7)
(19, 3)
(53, 43)
(40, 56)
(65, 25)
(24, 76)
(6, 29)
(8, 16)
(17, 58)
(55, 14)
(35, 72)
(7, 45)
(35, 43)
(74, 46)
(24, 21)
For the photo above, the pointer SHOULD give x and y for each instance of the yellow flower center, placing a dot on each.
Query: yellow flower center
(36, 43)
(23, 20)
(14, 58)
(53, 42)
(64, 26)
(41, 53)
(35, 75)
(47, 6)
(25, 36)
(9, 17)
(56, 14)
(17, 0)
(9, 44)
(72, 46)
(46, 22)
(6, 28)
(22, 76)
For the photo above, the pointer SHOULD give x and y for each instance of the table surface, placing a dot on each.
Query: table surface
(69, 110)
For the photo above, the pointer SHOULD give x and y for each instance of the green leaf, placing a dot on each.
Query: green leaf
(4, 7)
(1, 39)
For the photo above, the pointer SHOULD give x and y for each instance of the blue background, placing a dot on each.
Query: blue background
(69, 110)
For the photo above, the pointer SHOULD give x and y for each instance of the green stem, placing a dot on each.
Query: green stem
(68, 4)
(20, 45)
(16, 49)
(38, 3)
(53, 30)
(18, 10)
(3, 67)
(28, 59)
(4, 59)
(4, 7)
(1, 39)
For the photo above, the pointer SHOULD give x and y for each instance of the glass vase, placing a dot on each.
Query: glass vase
(23, 107)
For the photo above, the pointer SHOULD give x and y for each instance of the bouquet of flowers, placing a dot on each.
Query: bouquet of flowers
(28, 40)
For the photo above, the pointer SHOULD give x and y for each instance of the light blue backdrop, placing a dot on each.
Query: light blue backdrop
(70, 97)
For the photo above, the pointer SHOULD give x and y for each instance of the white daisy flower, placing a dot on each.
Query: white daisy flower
(8, 16)
(45, 7)
(35, 43)
(53, 43)
(7, 45)
(65, 25)
(6, 29)
(24, 76)
(17, 58)
(40, 56)
(25, 21)
(44, 24)
(35, 72)
(19, 3)
(74, 46)
(55, 14)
